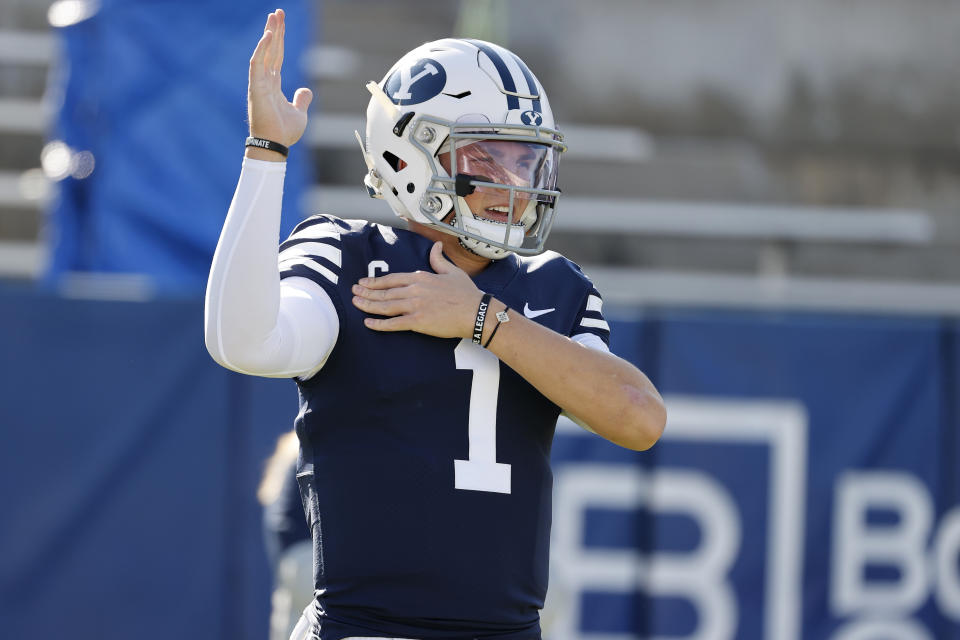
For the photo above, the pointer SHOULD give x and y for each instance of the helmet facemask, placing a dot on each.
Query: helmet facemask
(508, 173)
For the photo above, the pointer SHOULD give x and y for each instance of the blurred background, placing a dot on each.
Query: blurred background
(766, 192)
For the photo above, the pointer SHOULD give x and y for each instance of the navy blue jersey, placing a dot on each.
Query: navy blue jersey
(425, 461)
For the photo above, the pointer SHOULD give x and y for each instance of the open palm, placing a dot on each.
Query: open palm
(271, 115)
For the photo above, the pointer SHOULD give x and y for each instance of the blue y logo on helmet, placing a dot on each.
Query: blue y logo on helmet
(416, 83)
(534, 118)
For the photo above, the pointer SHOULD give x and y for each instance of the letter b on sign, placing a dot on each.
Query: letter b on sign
(902, 545)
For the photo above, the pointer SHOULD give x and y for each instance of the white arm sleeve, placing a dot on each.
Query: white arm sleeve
(253, 322)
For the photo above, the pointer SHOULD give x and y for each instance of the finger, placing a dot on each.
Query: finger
(439, 261)
(396, 293)
(302, 99)
(272, 27)
(391, 280)
(260, 53)
(382, 307)
(268, 54)
(400, 323)
(283, 36)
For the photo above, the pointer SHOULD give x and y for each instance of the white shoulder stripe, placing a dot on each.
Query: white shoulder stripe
(389, 234)
(594, 303)
(327, 251)
(315, 231)
(310, 264)
(595, 323)
(590, 340)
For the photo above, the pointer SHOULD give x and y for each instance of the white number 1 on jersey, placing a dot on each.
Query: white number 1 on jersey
(481, 471)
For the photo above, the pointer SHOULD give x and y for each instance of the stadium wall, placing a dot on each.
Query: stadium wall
(807, 485)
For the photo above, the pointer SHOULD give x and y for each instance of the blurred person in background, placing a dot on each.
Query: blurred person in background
(433, 361)
(287, 538)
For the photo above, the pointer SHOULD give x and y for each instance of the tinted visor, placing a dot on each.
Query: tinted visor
(527, 165)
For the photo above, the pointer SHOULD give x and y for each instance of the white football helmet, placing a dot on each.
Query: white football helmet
(479, 103)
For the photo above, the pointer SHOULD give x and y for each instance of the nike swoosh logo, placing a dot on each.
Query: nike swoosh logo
(533, 313)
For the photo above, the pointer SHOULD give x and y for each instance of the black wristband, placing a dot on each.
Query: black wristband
(501, 318)
(261, 143)
(481, 317)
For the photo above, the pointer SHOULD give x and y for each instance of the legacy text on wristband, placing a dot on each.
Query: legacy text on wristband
(481, 317)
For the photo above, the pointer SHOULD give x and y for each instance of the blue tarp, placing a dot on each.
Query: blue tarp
(156, 91)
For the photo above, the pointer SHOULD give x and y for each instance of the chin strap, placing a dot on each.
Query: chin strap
(487, 230)
(482, 249)
(492, 231)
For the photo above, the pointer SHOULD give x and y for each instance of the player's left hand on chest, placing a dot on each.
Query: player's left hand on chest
(441, 304)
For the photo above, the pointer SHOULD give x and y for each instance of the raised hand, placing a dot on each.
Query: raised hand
(271, 115)
(442, 304)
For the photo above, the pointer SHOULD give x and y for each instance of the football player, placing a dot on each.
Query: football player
(432, 361)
